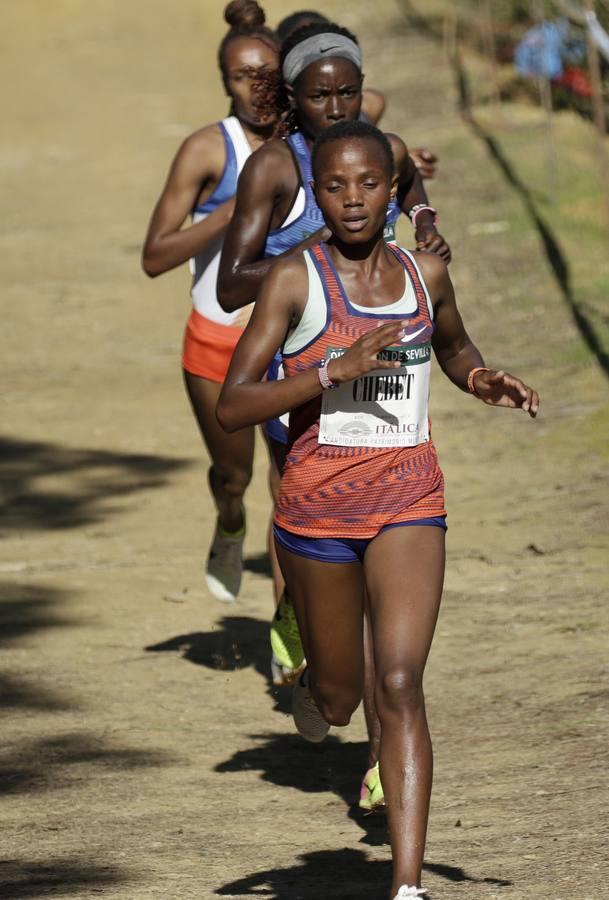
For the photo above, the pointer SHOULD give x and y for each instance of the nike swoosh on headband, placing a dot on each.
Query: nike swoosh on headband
(410, 337)
(327, 49)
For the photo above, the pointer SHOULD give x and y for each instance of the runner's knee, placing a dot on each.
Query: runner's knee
(337, 703)
(399, 690)
(232, 478)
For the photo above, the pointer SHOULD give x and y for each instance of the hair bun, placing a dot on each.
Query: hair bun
(243, 14)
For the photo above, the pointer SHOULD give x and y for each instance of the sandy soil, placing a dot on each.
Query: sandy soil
(143, 753)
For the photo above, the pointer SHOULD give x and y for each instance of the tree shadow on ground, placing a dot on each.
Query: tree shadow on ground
(21, 878)
(27, 608)
(24, 610)
(340, 874)
(49, 486)
(16, 693)
(238, 642)
(51, 763)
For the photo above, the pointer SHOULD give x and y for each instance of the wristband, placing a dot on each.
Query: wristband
(324, 379)
(471, 376)
(414, 212)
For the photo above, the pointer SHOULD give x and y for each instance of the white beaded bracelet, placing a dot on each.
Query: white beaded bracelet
(324, 379)
(414, 212)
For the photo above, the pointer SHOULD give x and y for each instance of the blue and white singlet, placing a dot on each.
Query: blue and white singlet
(204, 266)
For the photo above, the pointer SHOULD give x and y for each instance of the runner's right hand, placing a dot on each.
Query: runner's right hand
(361, 357)
(425, 161)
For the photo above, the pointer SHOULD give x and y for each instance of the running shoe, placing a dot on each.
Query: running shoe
(413, 891)
(225, 564)
(284, 675)
(308, 720)
(288, 659)
(371, 796)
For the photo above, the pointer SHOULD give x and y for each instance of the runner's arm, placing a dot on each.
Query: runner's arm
(167, 244)
(246, 399)
(454, 349)
(457, 354)
(242, 266)
(373, 105)
(411, 193)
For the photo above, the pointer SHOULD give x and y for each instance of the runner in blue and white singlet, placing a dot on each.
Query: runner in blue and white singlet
(276, 211)
(204, 265)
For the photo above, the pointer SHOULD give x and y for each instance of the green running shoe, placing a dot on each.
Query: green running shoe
(371, 796)
(288, 656)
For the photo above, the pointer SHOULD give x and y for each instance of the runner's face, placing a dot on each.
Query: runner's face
(244, 59)
(326, 92)
(352, 188)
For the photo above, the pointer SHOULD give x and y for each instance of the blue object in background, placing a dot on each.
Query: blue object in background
(541, 51)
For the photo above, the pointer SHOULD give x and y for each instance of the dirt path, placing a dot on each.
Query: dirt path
(143, 754)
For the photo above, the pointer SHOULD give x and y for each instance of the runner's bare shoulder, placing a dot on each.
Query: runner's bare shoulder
(271, 165)
(203, 149)
(432, 267)
(288, 282)
(399, 148)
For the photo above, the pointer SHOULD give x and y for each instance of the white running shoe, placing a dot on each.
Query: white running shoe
(406, 891)
(225, 565)
(308, 720)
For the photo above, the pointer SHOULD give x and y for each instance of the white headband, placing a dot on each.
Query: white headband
(320, 46)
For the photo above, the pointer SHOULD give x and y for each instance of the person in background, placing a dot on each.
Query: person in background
(201, 186)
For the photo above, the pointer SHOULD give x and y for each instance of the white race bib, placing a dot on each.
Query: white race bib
(385, 408)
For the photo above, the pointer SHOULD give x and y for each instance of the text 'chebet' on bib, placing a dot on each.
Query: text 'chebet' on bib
(385, 407)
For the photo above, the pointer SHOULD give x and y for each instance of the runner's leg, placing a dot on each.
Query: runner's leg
(373, 725)
(371, 796)
(404, 575)
(276, 460)
(328, 599)
(232, 455)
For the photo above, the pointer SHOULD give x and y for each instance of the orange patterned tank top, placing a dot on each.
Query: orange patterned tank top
(373, 462)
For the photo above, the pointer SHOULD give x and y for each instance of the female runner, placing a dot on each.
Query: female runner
(361, 500)
(277, 212)
(275, 208)
(373, 101)
(202, 182)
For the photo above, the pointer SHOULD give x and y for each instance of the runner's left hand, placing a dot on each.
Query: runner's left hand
(502, 389)
(428, 238)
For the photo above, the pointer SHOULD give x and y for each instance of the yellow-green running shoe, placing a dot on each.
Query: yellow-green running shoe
(288, 656)
(371, 796)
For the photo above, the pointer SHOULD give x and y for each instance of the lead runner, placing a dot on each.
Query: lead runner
(362, 495)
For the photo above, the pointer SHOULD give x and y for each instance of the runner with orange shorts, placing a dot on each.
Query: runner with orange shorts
(201, 184)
